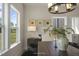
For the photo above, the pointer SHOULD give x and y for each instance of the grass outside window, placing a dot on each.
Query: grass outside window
(12, 36)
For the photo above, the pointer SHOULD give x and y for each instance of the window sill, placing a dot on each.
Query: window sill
(12, 46)
(15, 44)
(3, 52)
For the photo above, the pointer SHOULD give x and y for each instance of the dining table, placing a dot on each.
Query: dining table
(47, 48)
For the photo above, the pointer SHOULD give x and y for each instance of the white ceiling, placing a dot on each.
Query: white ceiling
(41, 4)
(76, 11)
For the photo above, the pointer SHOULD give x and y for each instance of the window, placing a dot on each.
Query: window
(1, 26)
(14, 30)
(59, 22)
(9, 26)
(75, 24)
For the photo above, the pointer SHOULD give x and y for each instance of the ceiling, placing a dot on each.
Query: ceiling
(41, 4)
(38, 5)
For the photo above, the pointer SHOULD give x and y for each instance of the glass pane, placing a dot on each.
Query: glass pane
(0, 14)
(54, 22)
(0, 25)
(13, 24)
(60, 22)
(0, 38)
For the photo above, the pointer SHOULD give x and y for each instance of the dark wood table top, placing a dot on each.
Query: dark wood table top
(46, 48)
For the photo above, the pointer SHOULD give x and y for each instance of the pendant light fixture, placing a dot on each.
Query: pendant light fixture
(60, 8)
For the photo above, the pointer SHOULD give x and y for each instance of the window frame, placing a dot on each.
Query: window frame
(75, 21)
(65, 20)
(3, 30)
(17, 27)
(6, 28)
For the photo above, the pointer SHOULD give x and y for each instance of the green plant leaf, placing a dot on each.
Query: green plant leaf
(59, 32)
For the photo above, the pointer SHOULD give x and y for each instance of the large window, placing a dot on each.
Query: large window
(1, 26)
(75, 24)
(9, 26)
(59, 22)
(13, 26)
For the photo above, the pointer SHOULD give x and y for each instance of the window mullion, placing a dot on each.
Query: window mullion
(6, 22)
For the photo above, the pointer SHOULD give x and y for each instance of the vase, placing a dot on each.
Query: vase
(62, 44)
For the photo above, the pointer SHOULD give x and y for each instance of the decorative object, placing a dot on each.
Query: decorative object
(32, 22)
(32, 25)
(60, 8)
(31, 28)
(39, 22)
(60, 36)
(47, 22)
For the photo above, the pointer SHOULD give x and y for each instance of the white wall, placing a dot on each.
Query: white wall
(19, 49)
(34, 11)
(40, 11)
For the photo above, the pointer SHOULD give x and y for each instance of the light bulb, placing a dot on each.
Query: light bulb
(68, 6)
(49, 5)
(56, 8)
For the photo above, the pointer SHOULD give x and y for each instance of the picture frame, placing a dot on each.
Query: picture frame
(39, 22)
(47, 22)
(32, 22)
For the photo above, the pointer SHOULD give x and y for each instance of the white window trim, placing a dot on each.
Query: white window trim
(6, 18)
(15, 44)
(18, 27)
(2, 29)
(6, 13)
(74, 24)
(9, 48)
(65, 19)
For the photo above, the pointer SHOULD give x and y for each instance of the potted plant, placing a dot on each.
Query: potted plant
(60, 36)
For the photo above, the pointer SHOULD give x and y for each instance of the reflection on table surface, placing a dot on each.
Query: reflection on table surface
(48, 49)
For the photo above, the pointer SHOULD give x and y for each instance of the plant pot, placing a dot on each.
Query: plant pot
(62, 44)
